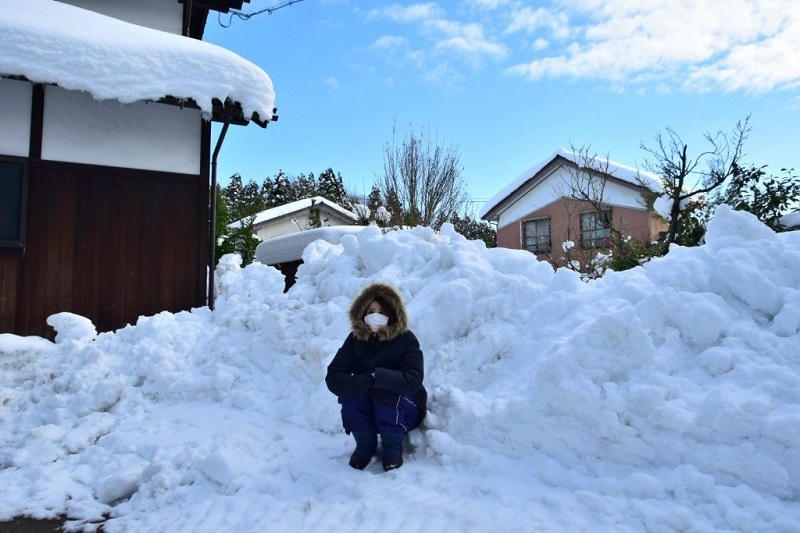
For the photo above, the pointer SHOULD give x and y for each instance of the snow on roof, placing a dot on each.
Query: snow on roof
(617, 170)
(300, 205)
(51, 42)
(290, 247)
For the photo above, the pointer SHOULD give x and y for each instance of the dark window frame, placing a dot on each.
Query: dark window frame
(599, 234)
(537, 243)
(19, 242)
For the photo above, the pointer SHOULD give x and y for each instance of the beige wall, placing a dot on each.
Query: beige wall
(158, 14)
(142, 135)
(15, 110)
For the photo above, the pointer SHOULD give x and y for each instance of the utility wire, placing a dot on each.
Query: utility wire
(246, 16)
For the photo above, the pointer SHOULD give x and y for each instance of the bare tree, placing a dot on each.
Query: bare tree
(585, 192)
(424, 179)
(687, 180)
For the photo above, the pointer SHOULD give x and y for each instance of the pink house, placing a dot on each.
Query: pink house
(547, 209)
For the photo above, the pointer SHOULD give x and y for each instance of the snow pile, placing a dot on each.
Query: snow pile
(290, 247)
(661, 399)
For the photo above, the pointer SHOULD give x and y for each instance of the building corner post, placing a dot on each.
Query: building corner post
(212, 250)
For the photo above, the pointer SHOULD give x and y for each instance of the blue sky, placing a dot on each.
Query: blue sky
(507, 82)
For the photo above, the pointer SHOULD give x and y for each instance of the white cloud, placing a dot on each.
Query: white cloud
(748, 45)
(412, 13)
(540, 44)
(391, 42)
(489, 4)
(398, 50)
(444, 75)
(759, 66)
(331, 82)
(530, 20)
(439, 35)
(467, 40)
(729, 44)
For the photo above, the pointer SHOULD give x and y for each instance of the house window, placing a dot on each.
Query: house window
(537, 235)
(595, 229)
(12, 186)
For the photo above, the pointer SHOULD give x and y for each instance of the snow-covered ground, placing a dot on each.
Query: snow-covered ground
(659, 399)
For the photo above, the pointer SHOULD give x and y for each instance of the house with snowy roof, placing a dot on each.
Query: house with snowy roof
(563, 208)
(294, 217)
(287, 229)
(106, 157)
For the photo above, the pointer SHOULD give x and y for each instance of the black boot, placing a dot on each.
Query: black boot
(366, 444)
(392, 451)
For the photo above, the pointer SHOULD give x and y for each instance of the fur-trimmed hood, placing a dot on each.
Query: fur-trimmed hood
(398, 318)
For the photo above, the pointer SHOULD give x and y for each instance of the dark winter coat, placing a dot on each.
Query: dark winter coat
(393, 354)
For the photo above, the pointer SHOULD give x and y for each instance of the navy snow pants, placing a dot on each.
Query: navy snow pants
(367, 414)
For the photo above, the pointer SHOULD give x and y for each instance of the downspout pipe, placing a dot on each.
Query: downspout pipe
(187, 17)
(213, 253)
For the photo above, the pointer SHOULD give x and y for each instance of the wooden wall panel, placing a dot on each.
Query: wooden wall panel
(111, 245)
(10, 262)
(46, 269)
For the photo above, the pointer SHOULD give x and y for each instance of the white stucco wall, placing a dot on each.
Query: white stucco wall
(559, 184)
(15, 117)
(164, 15)
(285, 226)
(143, 135)
(281, 227)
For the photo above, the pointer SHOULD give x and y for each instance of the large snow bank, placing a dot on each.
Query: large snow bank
(659, 399)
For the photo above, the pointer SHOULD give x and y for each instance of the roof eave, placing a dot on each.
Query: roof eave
(232, 113)
(229, 111)
(196, 11)
(494, 213)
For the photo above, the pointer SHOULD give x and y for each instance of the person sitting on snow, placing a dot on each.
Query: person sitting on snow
(377, 375)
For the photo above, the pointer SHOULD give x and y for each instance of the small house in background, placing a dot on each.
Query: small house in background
(106, 156)
(295, 216)
(546, 210)
(286, 230)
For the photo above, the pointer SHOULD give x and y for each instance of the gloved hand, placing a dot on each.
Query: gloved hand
(362, 383)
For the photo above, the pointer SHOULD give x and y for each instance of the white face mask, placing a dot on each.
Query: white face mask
(376, 321)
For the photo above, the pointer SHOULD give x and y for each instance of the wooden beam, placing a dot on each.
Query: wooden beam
(197, 12)
(229, 111)
(222, 6)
